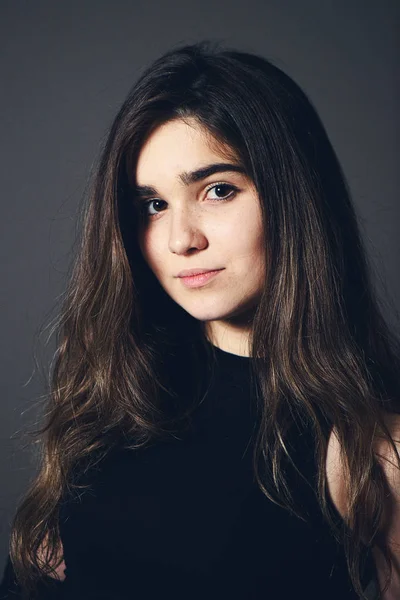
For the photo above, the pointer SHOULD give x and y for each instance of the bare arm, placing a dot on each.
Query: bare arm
(336, 479)
(389, 462)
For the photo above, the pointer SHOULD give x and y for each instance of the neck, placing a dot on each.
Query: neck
(229, 336)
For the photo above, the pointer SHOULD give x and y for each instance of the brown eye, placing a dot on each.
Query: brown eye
(223, 191)
(147, 204)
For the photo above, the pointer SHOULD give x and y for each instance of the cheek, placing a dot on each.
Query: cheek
(148, 248)
(234, 229)
(156, 260)
(246, 235)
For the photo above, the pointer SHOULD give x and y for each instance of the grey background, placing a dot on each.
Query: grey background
(66, 68)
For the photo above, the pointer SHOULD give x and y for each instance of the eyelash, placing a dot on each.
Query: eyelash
(228, 197)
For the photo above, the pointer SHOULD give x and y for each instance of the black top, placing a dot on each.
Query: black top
(185, 519)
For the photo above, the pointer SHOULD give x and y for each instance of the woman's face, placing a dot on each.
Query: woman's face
(197, 219)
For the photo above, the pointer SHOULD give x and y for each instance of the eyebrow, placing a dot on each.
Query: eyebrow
(190, 177)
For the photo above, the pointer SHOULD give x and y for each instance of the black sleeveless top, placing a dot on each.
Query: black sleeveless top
(185, 519)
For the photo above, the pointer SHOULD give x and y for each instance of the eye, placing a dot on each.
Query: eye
(146, 205)
(220, 188)
(223, 191)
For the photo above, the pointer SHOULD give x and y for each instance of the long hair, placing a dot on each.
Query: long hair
(322, 351)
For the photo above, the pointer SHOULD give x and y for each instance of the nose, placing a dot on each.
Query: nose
(185, 233)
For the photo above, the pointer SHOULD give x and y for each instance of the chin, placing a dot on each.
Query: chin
(210, 313)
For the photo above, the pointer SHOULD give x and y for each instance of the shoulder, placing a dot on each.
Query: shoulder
(387, 456)
(335, 467)
(389, 459)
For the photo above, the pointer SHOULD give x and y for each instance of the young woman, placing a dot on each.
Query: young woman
(224, 411)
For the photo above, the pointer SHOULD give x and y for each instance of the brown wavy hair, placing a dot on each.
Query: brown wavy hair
(324, 353)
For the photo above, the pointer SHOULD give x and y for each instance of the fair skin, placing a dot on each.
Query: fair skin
(335, 468)
(188, 226)
(185, 229)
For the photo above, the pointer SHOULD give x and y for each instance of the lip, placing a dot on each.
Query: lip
(190, 272)
(199, 279)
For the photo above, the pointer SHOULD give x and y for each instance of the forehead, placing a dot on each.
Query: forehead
(178, 146)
